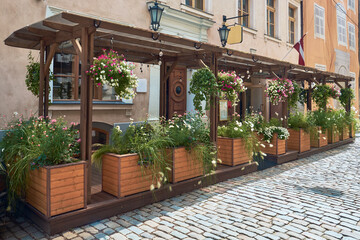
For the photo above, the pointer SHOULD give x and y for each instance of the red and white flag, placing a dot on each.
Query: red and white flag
(299, 46)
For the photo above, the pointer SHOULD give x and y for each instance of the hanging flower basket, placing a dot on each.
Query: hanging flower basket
(278, 90)
(231, 85)
(113, 70)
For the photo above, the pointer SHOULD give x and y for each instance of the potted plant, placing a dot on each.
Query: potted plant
(237, 143)
(319, 125)
(230, 86)
(113, 70)
(203, 85)
(273, 137)
(336, 125)
(299, 130)
(192, 154)
(134, 161)
(322, 93)
(279, 90)
(38, 154)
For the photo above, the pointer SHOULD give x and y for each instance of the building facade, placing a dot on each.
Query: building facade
(270, 29)
(331, 42)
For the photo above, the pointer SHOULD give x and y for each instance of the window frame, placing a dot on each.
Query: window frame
(268, 24)
(340, 17)
(240, 12)
(192, 4)
(354, 36)
(350, 6)
(319, 35)
(292, 20)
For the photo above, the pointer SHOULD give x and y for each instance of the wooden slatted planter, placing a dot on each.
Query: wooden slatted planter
(278, 148)
(122, 175)
(333, 136)
(54, 190)
(185, 164)
(298, 140)
(319, 140)
(345, 134)
(232, 151)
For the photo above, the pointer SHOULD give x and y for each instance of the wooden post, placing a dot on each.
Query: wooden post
(90, 89)
(214, 106)
(42, 78)
(309, 103)
(84, 107)
(47, 79)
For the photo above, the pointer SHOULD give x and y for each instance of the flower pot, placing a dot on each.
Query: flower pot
(278, 145)
(319, 139)
(298, 140)
(57, 189)
(333, 135)
(232, 151)
(185, 164)
(122, 175)
(345, 133)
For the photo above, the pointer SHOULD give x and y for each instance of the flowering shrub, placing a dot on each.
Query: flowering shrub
(334, 93)
(231, 85)
(278, 90)
(113, 70)
(33, 143)
(268, 133)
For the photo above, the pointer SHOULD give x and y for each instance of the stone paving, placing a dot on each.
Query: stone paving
(313, 198)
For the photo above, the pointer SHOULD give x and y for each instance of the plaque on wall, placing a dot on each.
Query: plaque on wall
(223, 108)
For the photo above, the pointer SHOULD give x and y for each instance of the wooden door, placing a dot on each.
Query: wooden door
(177, 92)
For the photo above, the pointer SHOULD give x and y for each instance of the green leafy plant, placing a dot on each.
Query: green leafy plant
(322, 93)
(243, 130)
(112, 69)
(147, 140)
(231, 86)
(190, 131)
(33, 143)
(32, 78)
(346, 96)
(294, 98)
(298, 121)
(203, 85)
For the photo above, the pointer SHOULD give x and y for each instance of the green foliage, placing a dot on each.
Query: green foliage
(32, 78)
(256, 120)
(298, 121)
(203, 85)
(295, 97)
(347, 95)
(269, 131)
(303, 96)
(322, 93)
(33, 143)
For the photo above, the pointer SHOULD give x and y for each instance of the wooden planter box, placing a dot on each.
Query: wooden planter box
(185, 164)
(320, 140)
(345, 134)
(122, 175)
(298, 140)
(278, 148)
(57, 189)
(333, 136)
(232, 151)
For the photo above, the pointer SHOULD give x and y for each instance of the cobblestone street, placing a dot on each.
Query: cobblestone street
(312, 198)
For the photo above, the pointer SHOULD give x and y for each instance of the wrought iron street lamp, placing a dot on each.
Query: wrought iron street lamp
(155, 15)
(224, 30)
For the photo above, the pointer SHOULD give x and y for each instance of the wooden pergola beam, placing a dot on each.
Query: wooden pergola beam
(58, 26)
(42, 78)
(77, 46)
(50, 57)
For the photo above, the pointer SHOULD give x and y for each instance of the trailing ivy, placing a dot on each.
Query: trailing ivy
(203, 85)
(347, 95)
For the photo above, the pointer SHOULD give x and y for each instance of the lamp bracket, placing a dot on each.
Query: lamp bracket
(197, 45)
(225, 18)
(155, 36)
(229, 52)
(97, 23)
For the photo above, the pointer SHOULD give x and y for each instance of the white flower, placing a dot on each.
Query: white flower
(262, 145)
(16, 113)
(270, 145)
(235, 128)
(152, 187)
(158, 184)
(276, 114)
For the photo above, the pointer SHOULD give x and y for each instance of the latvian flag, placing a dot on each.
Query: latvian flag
(299, 46)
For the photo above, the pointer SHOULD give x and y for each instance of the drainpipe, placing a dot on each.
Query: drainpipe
(302, 18)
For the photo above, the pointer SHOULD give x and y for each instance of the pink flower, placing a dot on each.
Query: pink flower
(53, 121)
(79, 140)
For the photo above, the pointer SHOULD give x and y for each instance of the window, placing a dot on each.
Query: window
(199, 4)
(351, 5)
(243, 8)
(352, 44)
(291, 25)
(341, 24)
(270, 24)
(67, 80)
(319, 13)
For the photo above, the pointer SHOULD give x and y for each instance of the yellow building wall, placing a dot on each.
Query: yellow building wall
(322, 51)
